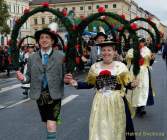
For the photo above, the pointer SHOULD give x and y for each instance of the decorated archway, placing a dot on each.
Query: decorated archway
(27, 14)
(125, 25)
(151, 35)
(157, 46)
(85, 22)
(22, 40)
(75, 31)
(127, 38)
(113, 33)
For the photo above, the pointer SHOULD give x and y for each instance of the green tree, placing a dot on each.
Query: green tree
(4, 15)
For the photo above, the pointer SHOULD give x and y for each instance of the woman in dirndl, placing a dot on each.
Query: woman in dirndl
(110, 117)
(142, 95)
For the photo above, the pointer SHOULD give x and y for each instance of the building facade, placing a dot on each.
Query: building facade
(16, 9)
(81, 8)
(129, 8)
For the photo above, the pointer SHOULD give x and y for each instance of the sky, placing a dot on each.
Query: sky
(156, 7)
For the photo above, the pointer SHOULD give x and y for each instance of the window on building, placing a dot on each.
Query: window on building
(50, 19)
(9, 8)
(14, 9)
(18, 10)
(81, 8)
(106, 6)
(43, 20)
(22, 9)
(97, 6)
(26, 25)
(35, 21)
(11, 23)
(114, 6)
(73, 8)
(89, 7)
(22, 27)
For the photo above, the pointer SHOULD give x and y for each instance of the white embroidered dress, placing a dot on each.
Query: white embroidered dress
(108, 117)
(139, 96)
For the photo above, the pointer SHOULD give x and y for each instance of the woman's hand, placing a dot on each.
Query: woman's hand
(153, 56)
(68, 78)
(74, 83)
(135, 83)
(19, 75)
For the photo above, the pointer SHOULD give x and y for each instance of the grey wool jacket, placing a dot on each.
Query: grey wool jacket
(54, 72)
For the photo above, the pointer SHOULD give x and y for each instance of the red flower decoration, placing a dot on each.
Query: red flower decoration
(77, 60)
(26, 11)
(137, 17)
(64, 11)
(105, 72)
(77, 46)
(123, 16)
(101, 9)
(112, 25)
(141, 61)
(45, 4)
(65, 48)
(120, 28)
(158, 46)
(149, 19)
(74, 27)
(133, 26)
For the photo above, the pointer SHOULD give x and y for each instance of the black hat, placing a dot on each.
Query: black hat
(45, 31)
(30, 46)
(107, 43)
(142, 40)
(100, 34)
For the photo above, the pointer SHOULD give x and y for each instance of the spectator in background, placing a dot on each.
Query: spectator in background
(1, 59)
(164, 53)
(96, 50)
(6, 61)
(30, 51)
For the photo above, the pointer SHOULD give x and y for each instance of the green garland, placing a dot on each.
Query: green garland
(110, 27)
(75, 33)
(151, 35)
(156, 47)
(65, 21)
(126, 26)
(96, 16)
(22, 40)
(127, 40)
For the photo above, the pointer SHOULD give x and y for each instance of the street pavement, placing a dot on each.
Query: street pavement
(20, 119)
